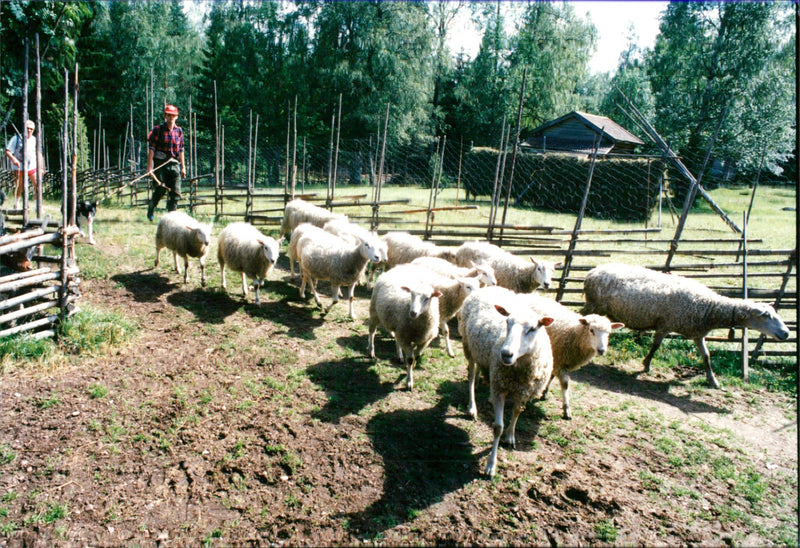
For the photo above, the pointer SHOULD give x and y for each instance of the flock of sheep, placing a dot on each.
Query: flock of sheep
(519, 340)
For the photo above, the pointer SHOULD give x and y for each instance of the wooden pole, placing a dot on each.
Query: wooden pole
(40, 125)
(287, 183)
(336, 152)
(500, 150)
(216, 154)
(514, 151)
(458, 178)
(294, 146)
(72, 191)
(576, 230)
(433, 189)
(330, 160)
(24, 138)
(248, 171)
(62, 295)
(376, 202)
(745, 354)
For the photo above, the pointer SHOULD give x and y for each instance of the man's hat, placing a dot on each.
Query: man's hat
(171, 109)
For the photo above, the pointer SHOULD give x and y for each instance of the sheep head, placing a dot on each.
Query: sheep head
(522, 330)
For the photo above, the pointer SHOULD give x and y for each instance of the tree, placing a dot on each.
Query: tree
(713, 56)
(555, 46)
(374, 53)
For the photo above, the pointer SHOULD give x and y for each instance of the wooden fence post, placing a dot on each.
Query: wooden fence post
(745, 362)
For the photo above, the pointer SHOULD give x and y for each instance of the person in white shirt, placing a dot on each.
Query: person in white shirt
(14, 153)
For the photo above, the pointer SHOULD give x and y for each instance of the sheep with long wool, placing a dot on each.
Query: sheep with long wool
(512, 272)
(409, 310)
(575, 340)
(243, 248)
(185, 237)
(506, 340)
(331, 258)
(299, 211)
(645, 299)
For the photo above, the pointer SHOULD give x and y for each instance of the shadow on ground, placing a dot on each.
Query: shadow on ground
(616, 380)
(146, 286)
(424, 458)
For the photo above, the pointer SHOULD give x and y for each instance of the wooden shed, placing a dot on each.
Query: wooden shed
(577, 131)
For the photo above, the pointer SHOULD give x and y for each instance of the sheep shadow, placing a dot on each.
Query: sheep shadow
(299, 319)
(612, 379)
(146, 286)
(207, 306)
(424, 457)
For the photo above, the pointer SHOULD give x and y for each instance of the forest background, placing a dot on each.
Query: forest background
(260, 57)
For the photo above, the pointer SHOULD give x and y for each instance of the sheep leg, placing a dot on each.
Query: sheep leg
(411, 359)
(185, 270)
(373, 326)
(257, 288)
(497, 429)
(303, 284)
(472, 371)
(657, 338)
(444, 329)
(244, 285)
(701, 345)
(511, 439)
(313, 284)
(222, 275)
(158, 254)
(563, 379)
(203, 272)
(91, 234)
(547, 386)
(352, 290)
(335, 293)
(177, 265)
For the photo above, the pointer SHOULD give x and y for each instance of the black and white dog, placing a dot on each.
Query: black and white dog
(87, 210)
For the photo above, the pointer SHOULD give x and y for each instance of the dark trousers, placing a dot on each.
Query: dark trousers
(170, 176)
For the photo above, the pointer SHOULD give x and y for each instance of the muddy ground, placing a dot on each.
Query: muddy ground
(227, 423)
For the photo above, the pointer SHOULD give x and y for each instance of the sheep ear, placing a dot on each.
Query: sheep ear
(533, 261)
(405, 288)
(281, 240)
(501, 310)
(617, 325)
(436, 294)
(558, 265)
(584, 321)
(547, 320)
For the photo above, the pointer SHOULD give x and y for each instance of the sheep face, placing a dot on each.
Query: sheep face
(201, 236)
(543, 272)
(764, 319)
(521, 334)
(373, 249)
(421, 298)
(486, 274)
(596, 331)
(270, 250)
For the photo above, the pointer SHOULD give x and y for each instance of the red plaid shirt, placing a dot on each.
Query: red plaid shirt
(161, 139)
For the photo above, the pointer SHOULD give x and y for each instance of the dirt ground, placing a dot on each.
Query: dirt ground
(228, 423)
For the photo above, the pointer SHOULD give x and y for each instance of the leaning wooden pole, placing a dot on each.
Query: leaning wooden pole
(330, 160)
(294, 147)
(576, 230)
(216, 154)
(379, 182)
(433, 189)
(745, 354)
(336, 150)
(490, 230)
(514, 152)
(74, 183)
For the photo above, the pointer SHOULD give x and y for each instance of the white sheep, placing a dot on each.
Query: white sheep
(403, 247)
(453, 292)
(352, 233)
(575, 340)
(243, 248)
(409, 311)
(185, 237)
(299, 211)
(444, 267)
(666, 303)
(504, 338)
(512, 272)
(301, 230)
(334, 260)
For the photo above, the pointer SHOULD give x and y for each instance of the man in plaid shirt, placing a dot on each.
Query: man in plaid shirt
(166, 147)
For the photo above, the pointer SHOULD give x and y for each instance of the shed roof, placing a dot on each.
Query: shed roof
(599, 124)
